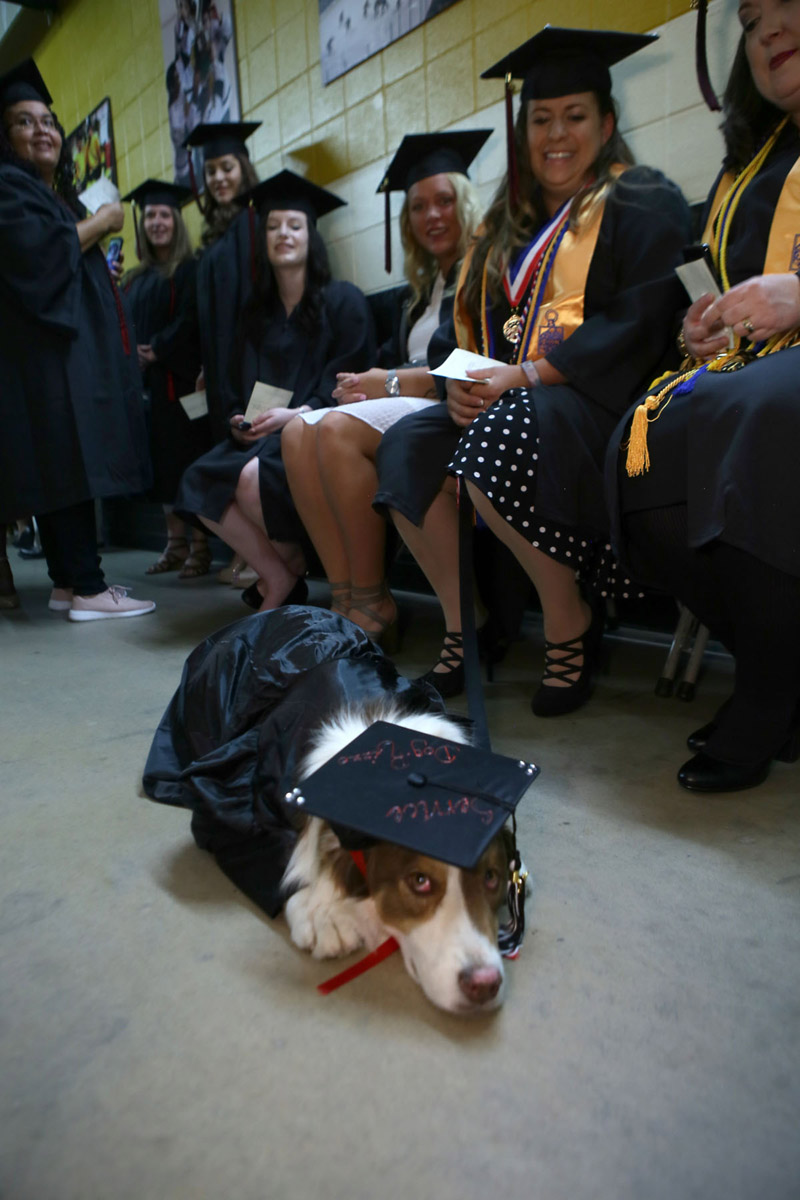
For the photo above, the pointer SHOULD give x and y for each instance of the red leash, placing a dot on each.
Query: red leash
(369, 960)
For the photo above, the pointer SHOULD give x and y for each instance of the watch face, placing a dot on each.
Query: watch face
(392, 385)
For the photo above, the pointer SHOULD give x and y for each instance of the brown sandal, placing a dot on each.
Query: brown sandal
(172, 558)
(198, 563)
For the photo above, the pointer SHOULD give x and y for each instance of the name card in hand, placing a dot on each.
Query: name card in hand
(698, 279)
(194, 405)
(102, 191)
(264, 397)
(456, 365)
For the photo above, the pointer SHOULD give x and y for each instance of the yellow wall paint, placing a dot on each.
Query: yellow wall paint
(426, 80)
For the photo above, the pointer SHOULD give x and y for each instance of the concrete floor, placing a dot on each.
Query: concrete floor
(160, 1039)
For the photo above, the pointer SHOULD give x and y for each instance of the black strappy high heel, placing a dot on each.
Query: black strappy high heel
(450, 681)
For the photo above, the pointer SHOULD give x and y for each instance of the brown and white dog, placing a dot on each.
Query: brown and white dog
(445, 919)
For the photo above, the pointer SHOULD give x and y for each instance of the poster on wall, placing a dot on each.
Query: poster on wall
(352, 30)
(202, 83)
(91, 148)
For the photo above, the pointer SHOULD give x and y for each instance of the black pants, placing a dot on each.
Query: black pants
(69, 541)
(751, 607)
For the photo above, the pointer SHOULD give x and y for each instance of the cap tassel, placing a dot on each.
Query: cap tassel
(638, 459)
(701, 60)
(193, 181)
(136, 235)
(513, 177)
(387, 247)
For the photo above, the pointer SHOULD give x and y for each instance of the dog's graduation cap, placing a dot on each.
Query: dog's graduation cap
(436, 797)
(292, 191)
(23, 82)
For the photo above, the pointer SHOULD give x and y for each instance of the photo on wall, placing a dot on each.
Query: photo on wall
(91, 148)
(352, 30)
(201, 79)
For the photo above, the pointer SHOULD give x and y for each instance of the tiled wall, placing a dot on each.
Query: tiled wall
(342, 135)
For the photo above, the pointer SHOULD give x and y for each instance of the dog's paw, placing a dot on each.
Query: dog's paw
(330, 927)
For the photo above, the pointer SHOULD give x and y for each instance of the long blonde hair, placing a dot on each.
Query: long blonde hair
(419, 266)
(180, 249)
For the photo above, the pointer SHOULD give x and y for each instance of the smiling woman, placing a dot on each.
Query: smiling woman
(71, 426)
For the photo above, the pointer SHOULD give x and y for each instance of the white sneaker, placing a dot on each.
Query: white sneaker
(60, 599)
(113, 602)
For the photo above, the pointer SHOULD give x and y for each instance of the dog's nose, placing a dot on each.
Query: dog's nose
(480, 984)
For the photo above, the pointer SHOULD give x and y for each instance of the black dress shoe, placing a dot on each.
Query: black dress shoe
(556, 701)
(450, 681)
(706, 774)
(697, 740)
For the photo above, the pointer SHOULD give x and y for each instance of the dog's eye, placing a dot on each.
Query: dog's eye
(419, 883)
(491, 880)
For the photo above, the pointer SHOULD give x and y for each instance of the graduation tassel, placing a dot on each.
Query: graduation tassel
(387, 234)
(513, 178)
(251, 217)
(701, 60)
(136, 237)
(193, 181)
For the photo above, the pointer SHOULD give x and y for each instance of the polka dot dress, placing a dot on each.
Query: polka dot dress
(498, 453)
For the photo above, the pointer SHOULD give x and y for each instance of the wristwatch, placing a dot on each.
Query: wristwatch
(392, 384)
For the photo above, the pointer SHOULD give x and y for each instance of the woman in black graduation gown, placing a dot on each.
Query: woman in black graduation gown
(571, 283)
(161, 296)
(710, 510)
(226, 267)
(70, 401)
(298, 331)
(330, 454)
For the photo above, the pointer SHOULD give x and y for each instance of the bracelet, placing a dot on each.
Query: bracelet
(530, 372)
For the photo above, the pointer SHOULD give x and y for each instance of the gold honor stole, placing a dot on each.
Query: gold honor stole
(782, 255)
(555, 315)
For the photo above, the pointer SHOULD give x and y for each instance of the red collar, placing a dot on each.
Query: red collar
(369, 960)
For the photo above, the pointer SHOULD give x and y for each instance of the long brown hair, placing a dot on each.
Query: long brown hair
(506, 230)
(219, 216)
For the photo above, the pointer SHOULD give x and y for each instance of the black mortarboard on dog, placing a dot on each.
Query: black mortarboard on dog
(288, 190)
(421, 155)
(557, 62)
(23, 82)
(437, 797)
(155, 191)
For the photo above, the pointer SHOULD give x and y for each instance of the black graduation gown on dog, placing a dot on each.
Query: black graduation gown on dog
(71, 420)
(161, 311)
(234, 734)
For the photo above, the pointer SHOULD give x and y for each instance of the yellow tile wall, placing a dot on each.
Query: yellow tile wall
(426, 80)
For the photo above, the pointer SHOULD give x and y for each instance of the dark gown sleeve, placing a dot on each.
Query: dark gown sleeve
(176, 346)
(632, 293)
(350, 346)
(36, 228)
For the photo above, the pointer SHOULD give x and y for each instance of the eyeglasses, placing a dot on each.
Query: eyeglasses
(27, 122)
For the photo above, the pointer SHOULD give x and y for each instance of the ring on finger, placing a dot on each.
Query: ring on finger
(747, 325)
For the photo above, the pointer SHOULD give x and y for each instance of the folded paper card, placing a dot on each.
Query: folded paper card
(102, 191)
(264, 397)
(194, 405)
(456, 365)
(698, 280)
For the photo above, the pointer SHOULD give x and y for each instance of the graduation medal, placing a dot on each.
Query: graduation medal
(512, 329)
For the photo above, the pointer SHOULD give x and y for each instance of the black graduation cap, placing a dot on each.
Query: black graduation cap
(557, 61)
(23, 82)
(158, 191)
(223, 137)
(436, 797)
(288, 190)
(421, 155)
